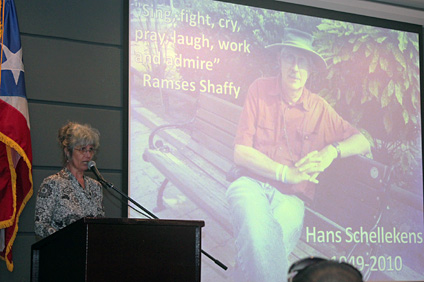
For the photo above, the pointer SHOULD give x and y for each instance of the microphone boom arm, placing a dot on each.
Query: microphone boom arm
(108, 185)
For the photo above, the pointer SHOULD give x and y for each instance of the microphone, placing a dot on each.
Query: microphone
(93, 168)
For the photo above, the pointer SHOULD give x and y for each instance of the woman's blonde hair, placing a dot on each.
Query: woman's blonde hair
(74, 134)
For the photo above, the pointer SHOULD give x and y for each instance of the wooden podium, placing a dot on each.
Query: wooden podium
(112, 249)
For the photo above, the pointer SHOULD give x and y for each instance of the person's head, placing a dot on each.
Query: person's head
(297, 58)
(295, 68)
(79, 143)
(322, 270)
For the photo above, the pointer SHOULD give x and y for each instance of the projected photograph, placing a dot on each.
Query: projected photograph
(290, 131)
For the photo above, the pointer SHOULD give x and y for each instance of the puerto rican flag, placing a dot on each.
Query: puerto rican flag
(16, 185)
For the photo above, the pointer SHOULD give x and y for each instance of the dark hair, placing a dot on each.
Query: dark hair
(328, 271)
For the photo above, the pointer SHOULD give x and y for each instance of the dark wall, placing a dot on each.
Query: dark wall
(75, 70)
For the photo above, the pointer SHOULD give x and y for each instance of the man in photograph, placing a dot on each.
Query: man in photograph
(286, 137)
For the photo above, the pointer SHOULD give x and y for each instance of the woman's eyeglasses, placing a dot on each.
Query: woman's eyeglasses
(85, 150)
(303, 264)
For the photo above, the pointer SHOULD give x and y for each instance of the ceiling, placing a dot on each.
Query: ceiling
(407, 11)
(411, 4)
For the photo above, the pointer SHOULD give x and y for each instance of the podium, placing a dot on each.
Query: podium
(120, 249)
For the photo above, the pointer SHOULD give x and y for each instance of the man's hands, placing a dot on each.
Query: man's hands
(306, 169)
(309, 167)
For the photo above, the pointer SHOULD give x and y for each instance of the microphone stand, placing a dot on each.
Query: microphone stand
(111, 186)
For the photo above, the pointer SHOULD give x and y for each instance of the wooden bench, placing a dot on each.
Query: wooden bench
(196, 156)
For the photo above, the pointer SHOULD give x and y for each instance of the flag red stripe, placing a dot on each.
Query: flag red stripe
(6, 193)
(15, 125)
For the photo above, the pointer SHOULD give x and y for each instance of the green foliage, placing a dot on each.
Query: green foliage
(375, 68)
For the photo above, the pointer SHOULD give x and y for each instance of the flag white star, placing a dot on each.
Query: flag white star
(13, 63)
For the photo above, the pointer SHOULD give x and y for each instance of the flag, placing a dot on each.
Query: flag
(15, 140)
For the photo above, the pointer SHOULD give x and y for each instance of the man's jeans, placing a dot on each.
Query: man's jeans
(267, 226)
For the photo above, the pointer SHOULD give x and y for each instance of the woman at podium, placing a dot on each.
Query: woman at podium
(69, 195)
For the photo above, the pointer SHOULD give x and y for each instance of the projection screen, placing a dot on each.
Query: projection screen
(190, 66)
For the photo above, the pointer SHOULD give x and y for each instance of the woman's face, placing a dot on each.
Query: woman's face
(81, 156)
